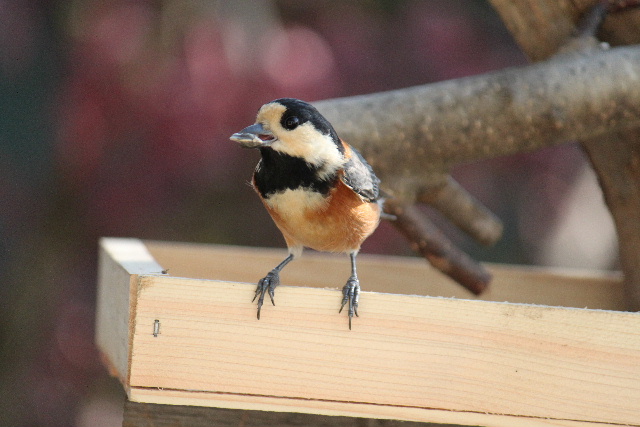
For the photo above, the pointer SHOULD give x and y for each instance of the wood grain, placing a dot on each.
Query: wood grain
(409, 357)
(418, 352)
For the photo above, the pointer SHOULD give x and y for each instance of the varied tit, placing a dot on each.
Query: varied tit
(320, 192)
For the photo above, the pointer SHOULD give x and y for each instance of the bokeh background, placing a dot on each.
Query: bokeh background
(115, 118)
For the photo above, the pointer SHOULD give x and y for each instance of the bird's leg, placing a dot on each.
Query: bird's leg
(351, 291)
(269, 283)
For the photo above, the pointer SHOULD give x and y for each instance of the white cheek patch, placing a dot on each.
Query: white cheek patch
(305, 141)
(317, 149)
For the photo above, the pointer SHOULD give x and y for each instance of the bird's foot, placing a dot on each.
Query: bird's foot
(267, 284)
(351, 294)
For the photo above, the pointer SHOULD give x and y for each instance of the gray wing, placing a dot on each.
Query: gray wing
(359, 176)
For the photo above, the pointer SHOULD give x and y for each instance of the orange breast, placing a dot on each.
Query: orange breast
(338, 223)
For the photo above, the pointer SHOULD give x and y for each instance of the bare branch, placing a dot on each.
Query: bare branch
(464, 211)
(412, 136)
(584, 36)
(591, 21)
(616, 6)
(616, 160)
(541, 27)
(427, 240)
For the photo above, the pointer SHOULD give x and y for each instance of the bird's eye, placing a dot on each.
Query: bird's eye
(291, 122)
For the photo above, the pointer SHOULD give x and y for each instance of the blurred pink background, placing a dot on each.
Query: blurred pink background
(116, 118)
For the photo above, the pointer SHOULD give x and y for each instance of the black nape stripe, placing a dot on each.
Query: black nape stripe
(278, 172)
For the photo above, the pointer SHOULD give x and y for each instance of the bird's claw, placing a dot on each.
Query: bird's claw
(351, 294)
(266, 285)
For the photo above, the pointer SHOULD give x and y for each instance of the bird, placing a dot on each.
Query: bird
(320, 192)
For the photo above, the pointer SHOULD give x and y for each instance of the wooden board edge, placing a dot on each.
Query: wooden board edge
(132, 254)
(578, 288)
(120, 261)
(343, 409)
(397, 260)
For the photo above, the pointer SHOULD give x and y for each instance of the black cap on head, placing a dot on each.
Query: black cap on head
(306, 112)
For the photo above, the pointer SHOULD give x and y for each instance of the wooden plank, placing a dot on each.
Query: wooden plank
(120, 263)
(405, 353)
(531, 285)
(408, 357)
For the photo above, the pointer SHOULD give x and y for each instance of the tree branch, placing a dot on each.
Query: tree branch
(614, 156)
(435, 126)
(412, 137)
(541, 27)
(463, 211)
(426, 239)
(616, 160)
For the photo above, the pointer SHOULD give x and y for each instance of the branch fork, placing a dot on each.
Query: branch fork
(436, 126)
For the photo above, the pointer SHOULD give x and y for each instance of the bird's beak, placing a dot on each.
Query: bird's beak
(254, 136)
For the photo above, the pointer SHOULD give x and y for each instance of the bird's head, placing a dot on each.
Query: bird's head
(295, 128)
